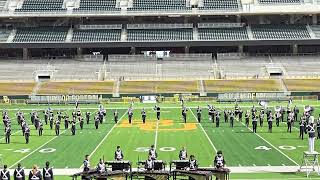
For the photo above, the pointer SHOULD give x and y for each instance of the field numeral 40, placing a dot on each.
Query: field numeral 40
(45, 150)
(283, 147)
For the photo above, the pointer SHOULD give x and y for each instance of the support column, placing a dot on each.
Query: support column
(79, 51)
(295, 49)
(240, 49)
(186, 49)
(261, 20)
(239, 19)
(291, 20)
(314, 19)
(25, 53)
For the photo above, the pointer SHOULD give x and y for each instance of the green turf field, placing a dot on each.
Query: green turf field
(240, 146)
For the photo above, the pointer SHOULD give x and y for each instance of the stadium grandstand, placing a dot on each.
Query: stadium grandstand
(178, 54)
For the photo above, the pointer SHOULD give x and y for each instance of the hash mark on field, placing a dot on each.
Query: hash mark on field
(105, 137)
(271, 145)
(269, 165)
(254, 164)
(215, 149)
(283, 165)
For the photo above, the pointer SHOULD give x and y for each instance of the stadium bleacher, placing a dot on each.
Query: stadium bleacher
(41, 34)
(41, 6)
(2, 4)
(97, 5)
(96, 35)
(220, 5)
(223, 33)
(316, 30)
(4, 34)
(280, 2)
(147, 5)
(280, 31)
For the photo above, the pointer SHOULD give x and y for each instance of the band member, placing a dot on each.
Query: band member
(46, 116)
(88, 117)
(101, 167)
(96, 121)
(278, 115)
(261, 118)
(253, 110)
(254, 123)
(40, 128)
(118, 155)
(23, 127)
(115, 116)
(86, 163)
(296, 112)
(8, 134)
(19, 173)
(51, 122)
(270, 123)
(5, 174)
(47, 172)
(199, 114)
(66, 122)
(81, 122)
(217, 118)
(153, 153)
(32, 116)
(312, 134)
(226, 115)
(73, 127)
(130, 114)
(57, 127)
(35, 174)
(143, 116)
(282, 112)
(219, 161)
(290, 121)
(193, 163)
(302, 125)
(247, 118)
(158, 110)
(184, 114)
(27, 134)
(183, 154)
(211, 113)
(318, 128)
(19, 116)
(231, 118)
(240, 115)
(149, 164)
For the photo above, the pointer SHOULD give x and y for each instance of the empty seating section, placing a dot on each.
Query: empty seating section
(16, 88)
(158, 5)
(241, 85)
(4, 34)
(96, 35)
(41, 5)
(127, 87)
(159, 34)
(48, 88)
(220, 5)
(268, 2)
(232, 33)
(282, 31)
(3, 4)
(98, 5)
(316, 30)
(41, 34)
(302, 84)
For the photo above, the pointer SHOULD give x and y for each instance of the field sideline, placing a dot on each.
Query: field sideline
(245, 152)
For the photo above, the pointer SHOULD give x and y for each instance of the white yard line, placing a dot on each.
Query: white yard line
(105, 137)
(270, 144)
(156, 136)
(205, 133)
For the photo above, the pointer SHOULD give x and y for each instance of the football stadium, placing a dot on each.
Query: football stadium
(160, 89)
